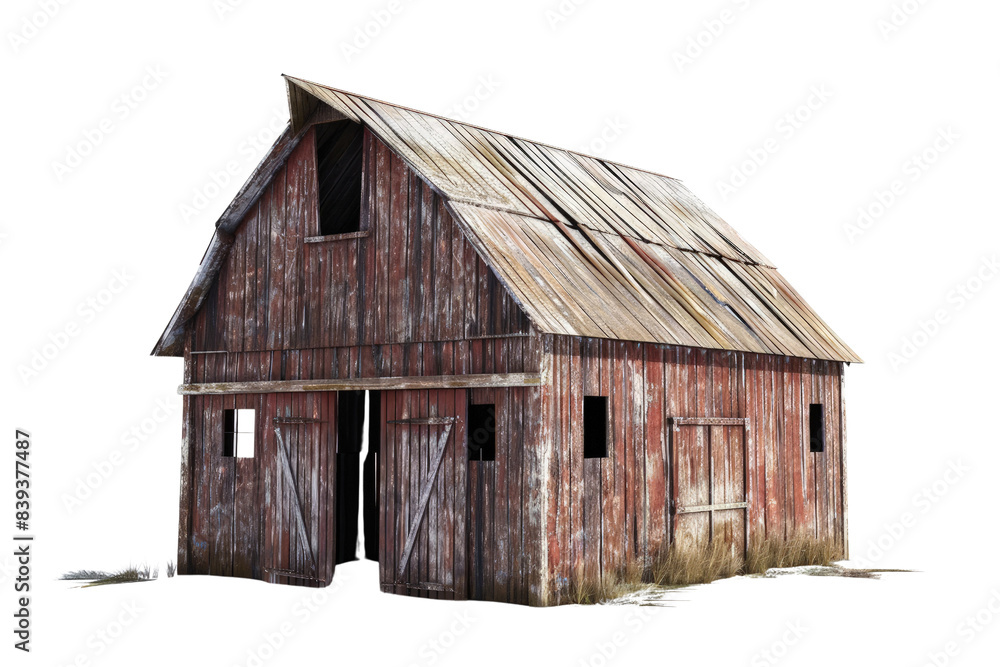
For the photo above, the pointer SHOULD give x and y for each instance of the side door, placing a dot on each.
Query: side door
(300, 531)
(709, 483)
(423, 493)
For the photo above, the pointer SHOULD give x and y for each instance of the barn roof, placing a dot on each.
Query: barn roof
(588, 247)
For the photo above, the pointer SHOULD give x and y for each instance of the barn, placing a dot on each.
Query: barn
(565, 365)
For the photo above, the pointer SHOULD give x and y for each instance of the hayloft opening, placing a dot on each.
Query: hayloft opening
(817, 431)
(482, 432)
(338, 176)
(238, 432)
(595, 427)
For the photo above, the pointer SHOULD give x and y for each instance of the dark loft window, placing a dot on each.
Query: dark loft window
(817, 433)
(238, 433)
(338, 177)
(595, 427)
(482, 432)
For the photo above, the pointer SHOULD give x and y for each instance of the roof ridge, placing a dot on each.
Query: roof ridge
(484, 129)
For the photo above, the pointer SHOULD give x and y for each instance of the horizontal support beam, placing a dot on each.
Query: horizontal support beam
(331, 238)
(710, 421)
(424, 420)
(712, 508)
(416, 382)
(291, 574)
(427, 586)
(419, 586)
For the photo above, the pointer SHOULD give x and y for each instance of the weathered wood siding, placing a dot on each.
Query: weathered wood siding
(410, 276)
(602, 514)
(502, 536)
(515, 354)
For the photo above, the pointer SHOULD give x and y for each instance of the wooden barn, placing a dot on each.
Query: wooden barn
(566, 365)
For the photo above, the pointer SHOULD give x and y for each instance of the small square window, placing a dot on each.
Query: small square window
(481, 431)
(238, 433)
(595, 427)
(817, 430)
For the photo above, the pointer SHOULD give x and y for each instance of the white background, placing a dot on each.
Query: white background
(602, 77)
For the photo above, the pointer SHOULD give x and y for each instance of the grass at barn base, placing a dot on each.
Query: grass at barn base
(679, 567)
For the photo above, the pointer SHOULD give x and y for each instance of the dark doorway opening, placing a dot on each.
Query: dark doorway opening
(370, 475)
(350, 430)
(357, 473)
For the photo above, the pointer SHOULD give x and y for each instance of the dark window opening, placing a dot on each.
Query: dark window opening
(817, 432)
(482, 432)
(238, 433)
(338, 176)
(229, 433)
(595, 427)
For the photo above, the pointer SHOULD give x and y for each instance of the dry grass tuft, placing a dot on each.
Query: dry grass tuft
(85, 575)
(686, 566)
(591, 589)
(130, 574)
(679, 566)
(800, 549)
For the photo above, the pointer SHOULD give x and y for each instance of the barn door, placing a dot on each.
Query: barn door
(299, 533)
(423, 494)
(709, 482)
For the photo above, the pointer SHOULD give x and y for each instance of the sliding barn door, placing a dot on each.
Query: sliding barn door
(710, 482)
(300, 536)
(423, 473)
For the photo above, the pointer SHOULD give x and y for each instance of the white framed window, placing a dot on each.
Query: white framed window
(238, 432)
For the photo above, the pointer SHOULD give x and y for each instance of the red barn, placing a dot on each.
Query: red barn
(566, 364)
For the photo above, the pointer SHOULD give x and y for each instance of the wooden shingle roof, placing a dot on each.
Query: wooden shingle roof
(588, 247)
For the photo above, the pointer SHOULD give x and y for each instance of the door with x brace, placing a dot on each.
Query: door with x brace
(423, 490)
(300, 455)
